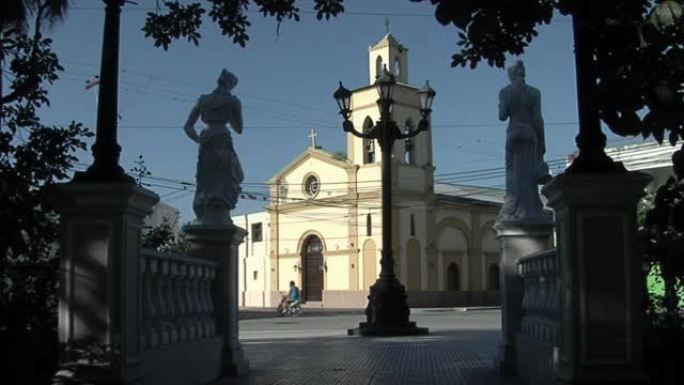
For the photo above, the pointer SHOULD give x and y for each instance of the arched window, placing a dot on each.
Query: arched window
(378, 66)
(282, 191)
(409, 147)
(397, 67)
(369, 225)
(494, 277)
(413, 225)
(368, 144)
(453, 277)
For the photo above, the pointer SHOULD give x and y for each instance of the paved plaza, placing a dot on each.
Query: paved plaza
(314, 349)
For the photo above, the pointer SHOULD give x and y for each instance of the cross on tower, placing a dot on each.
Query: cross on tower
(387, 25)
(313, 136)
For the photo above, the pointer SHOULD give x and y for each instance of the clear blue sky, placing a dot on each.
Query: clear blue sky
(286, 85)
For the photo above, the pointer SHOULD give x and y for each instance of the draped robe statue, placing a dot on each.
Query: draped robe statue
(219, 173)
(525, 166)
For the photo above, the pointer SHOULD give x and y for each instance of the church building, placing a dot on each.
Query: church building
(322, 229)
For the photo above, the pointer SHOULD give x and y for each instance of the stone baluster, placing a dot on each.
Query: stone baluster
(159, 302)
(150, 336)
(540, 280)
(207, 319)
(188, 300)
(192, 301)
(201, 303)
(179, 298)
(171, 309)
(210, 302)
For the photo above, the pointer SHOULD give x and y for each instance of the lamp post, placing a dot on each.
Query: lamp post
(106, 150)
(387, 312)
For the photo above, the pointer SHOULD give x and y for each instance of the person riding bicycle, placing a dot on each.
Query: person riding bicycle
(293, 296)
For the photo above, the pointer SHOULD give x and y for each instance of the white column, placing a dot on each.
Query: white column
(100, 279)
(517, 239)
(600, 278)
(220, 243)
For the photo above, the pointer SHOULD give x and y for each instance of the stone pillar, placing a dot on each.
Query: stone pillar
(600, 278)
(100, 288)
(220, 243)
(517, 239)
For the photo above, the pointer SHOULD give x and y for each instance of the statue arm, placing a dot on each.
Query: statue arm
(503, 105)
(190, 123)
(236, 122)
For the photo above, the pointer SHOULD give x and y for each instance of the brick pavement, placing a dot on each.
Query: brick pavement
(289, 351)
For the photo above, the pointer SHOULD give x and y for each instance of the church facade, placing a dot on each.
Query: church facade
(322, 229)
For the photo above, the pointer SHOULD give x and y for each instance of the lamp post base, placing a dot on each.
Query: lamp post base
(97, 173)
(387, 312)
(367, 329)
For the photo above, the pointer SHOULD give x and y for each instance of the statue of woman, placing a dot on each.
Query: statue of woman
(219, 173)
(525, 166)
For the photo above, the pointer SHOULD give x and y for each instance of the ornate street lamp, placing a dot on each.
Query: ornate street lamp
(387, 312)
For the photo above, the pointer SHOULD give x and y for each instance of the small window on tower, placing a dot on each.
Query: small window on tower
(256, 232)
(413, 225)
(370, 150)
(397, 67)
(368, 144)
(282, 191)
(369, 225)
(378, 66)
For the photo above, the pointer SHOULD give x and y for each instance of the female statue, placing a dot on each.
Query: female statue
(219, 173)
(525, 166)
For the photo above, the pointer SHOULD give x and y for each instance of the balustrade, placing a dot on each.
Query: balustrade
(540, 276)
(176, 298)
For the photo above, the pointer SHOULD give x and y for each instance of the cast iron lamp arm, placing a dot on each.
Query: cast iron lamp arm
(348, 126)
(423, 125)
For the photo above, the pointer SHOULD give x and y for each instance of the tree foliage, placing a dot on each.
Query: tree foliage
(32, 156)
(163, 238)
(184, 21)
(638, 52)
(663, 236)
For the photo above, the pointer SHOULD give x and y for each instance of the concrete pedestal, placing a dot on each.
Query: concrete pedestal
(99, 303)
(600, 277)
(518, 239)
(220, 243)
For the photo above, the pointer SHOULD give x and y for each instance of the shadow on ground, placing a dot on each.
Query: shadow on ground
(451, 357)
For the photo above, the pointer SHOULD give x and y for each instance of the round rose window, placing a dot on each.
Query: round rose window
(311, 186)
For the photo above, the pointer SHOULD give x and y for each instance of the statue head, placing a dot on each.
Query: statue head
(227, 80)
(516, 71)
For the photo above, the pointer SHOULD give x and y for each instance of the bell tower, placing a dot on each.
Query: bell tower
(416, 152)
(389, 53)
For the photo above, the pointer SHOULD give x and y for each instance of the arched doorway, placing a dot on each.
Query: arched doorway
(313, 269)
(453, 277)
(494, 277)
(369, 264)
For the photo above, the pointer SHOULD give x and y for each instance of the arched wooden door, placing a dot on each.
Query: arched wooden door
(453, 277)
(494, 277)
(313, 269)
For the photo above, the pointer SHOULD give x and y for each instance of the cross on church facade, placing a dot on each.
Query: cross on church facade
(313, 136)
